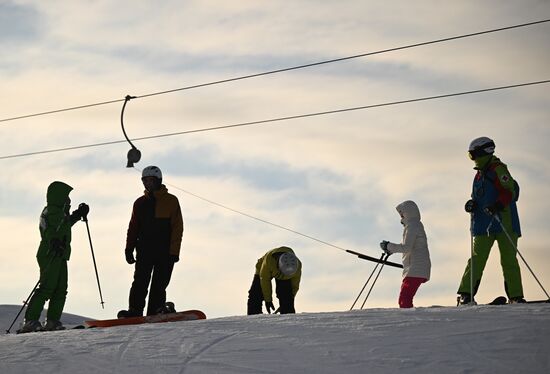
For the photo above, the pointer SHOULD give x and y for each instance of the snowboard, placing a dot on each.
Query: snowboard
(188, 315)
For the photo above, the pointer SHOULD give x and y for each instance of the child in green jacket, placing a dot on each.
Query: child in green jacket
(52, 256)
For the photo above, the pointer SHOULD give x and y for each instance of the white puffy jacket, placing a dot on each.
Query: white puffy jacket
(416, 257)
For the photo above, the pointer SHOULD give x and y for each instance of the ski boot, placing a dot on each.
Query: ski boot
(129, 313)
(517, 300)
(30, 326)
(465, 299)
(53, 325)
(168, 307)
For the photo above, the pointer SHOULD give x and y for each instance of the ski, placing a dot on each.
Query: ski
(374, 259)
(538, 301)
(501, 300)
(188, 315)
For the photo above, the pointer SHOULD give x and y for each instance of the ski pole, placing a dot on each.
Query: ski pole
(85, 219)
(374, 281)
(26, 302)
(472, 300)
(23, 307)
(368, 279)
(37, 283)
(519, 253)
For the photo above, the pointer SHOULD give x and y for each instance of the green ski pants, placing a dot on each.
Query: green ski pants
(508, 261)
(53, 287)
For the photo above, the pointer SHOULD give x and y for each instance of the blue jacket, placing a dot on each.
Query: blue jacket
(493, 183)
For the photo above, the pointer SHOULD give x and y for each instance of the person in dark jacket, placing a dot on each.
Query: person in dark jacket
(283, 265)
(155, 233)
(494, 194)
(52, 256)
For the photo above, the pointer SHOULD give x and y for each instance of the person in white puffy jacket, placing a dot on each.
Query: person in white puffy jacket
(416, 256)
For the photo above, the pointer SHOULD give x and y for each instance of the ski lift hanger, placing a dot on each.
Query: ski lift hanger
(134, 154)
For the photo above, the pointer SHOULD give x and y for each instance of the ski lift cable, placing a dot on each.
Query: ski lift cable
(279, 119)
(314, 64)
(212, 202)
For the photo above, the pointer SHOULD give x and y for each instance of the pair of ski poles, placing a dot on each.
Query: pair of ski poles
(382, 261)
(85, 219)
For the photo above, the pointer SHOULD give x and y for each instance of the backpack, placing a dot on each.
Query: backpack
(492, 168)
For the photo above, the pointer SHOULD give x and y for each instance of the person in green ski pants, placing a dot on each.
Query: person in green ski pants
(494, 194)
(52, 256)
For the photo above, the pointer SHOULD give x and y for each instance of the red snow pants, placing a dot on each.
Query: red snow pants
(408, 290)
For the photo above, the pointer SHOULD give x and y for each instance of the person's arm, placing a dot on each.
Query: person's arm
(176, 223)
(55, 232)
(409, 237)
(133, 228)
(295, 281)
(505, 186)
(265, 278)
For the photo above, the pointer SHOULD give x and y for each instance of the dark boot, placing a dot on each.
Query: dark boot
(464, 299)
(129, 313)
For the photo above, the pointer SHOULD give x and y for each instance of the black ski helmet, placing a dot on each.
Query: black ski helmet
(152, 171)
(482, 146)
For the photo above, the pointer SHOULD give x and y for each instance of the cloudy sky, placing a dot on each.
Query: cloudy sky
(335, 177)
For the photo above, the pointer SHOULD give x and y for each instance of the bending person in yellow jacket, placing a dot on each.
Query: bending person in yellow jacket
(283, 265)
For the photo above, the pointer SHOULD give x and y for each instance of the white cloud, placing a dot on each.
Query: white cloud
(336, 177)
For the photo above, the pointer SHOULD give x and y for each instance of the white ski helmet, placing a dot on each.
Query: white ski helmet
(288, 264)
(152, 171)
(481, 147)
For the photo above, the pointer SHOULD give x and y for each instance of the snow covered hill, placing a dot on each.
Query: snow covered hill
(478, 339)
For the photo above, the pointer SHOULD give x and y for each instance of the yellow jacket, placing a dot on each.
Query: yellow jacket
(267, 268)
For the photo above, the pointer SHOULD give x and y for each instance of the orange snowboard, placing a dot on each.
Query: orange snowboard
(188, 315)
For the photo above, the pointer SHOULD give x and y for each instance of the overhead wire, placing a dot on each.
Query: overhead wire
(280, 119)
(414, 45)
(251, 216)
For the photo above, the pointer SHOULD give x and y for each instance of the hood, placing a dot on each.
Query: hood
(57, 194)
(409, 210)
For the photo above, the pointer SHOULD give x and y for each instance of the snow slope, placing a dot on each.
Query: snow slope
(472, 339)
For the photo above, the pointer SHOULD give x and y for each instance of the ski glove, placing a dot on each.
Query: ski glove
(470, 206)
(384, 247)
(269, 306)
(83, 210)
(174, 258)
(130, 256)
(494, 209)
(57, 247)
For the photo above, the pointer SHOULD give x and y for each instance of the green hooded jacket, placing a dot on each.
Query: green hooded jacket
(55, 222)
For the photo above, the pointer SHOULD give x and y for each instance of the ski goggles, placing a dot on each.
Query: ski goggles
(477, 153)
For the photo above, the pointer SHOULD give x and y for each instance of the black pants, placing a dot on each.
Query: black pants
(283, 290)
(161, 271)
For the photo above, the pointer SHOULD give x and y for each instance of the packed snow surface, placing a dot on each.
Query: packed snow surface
(469, 339)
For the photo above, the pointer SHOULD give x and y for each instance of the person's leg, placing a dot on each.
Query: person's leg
(49, 270)
(283, 290)
(510, 265)
(482, 248)
(162, 273)
(138, 291)
(409, 286)
(255, 297)
(57, 300)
